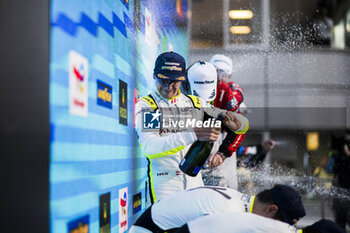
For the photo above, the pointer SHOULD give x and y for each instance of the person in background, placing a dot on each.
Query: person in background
(341, 204)
(281, 203)
(253, 156)
(321, 172)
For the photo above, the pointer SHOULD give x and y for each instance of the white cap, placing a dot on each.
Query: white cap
(202, 77)
(222, 62)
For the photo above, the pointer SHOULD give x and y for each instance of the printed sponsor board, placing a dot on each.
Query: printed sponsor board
(104, 94)
(80, 225)
(136, 203)
(123, 102)
(78, 80)
(105, 213)
(123, 210)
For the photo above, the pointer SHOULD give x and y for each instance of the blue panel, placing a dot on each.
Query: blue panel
(93, 154)
(88, 24)
(66, 24)
(105, 24)
(119, 25)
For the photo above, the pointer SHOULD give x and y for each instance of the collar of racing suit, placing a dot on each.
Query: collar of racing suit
(167, 100)
(249, 205)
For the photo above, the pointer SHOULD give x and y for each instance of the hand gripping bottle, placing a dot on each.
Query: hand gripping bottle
(196, 156)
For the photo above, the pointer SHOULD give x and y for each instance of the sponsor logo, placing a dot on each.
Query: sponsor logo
(165, 131)
(105, 213)
(123, 103)
(151, 120)
(171, 68)
(204, 82)
(136, 203)
(162, 76)
(232, 104)
(162, 173)
(123, 209)
(78, 79)
(245, 198)
(104, 94)
(172, 63)
(80, 225)
(180, 78)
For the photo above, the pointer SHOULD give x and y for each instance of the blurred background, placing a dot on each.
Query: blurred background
(292, 60)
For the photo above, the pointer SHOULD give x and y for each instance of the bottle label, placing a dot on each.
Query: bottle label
(182, 162)
(197, 169)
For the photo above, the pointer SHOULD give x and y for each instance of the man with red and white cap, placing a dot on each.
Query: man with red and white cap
(165, 146)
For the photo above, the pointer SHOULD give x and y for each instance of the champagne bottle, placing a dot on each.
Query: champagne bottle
(195, 158)
(198, 154)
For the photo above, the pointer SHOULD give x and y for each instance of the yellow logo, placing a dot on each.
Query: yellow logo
(162, 76)
(122, 112)
(82, 228)
(137, 203)
(104, 210)
(171, 68)
(104, 95)
(180, 78)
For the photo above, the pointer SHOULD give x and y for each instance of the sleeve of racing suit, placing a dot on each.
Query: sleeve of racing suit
(232, 141)
(215, 112)
(155, 146)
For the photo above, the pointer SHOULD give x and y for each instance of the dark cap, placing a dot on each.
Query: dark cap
(170, 66)
(324, 226)
(289, 203)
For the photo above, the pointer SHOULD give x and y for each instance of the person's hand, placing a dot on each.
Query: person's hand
(207, 134)
(268, 145)
(215, 160)
(231, 120)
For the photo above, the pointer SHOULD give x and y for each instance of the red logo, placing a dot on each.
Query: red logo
(78, 75)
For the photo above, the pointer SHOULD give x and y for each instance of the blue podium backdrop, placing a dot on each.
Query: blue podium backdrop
(101, 60)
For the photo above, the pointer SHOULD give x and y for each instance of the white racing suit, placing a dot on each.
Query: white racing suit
(224, 175)
(237, 222)
(163, 148)
(184, 206)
